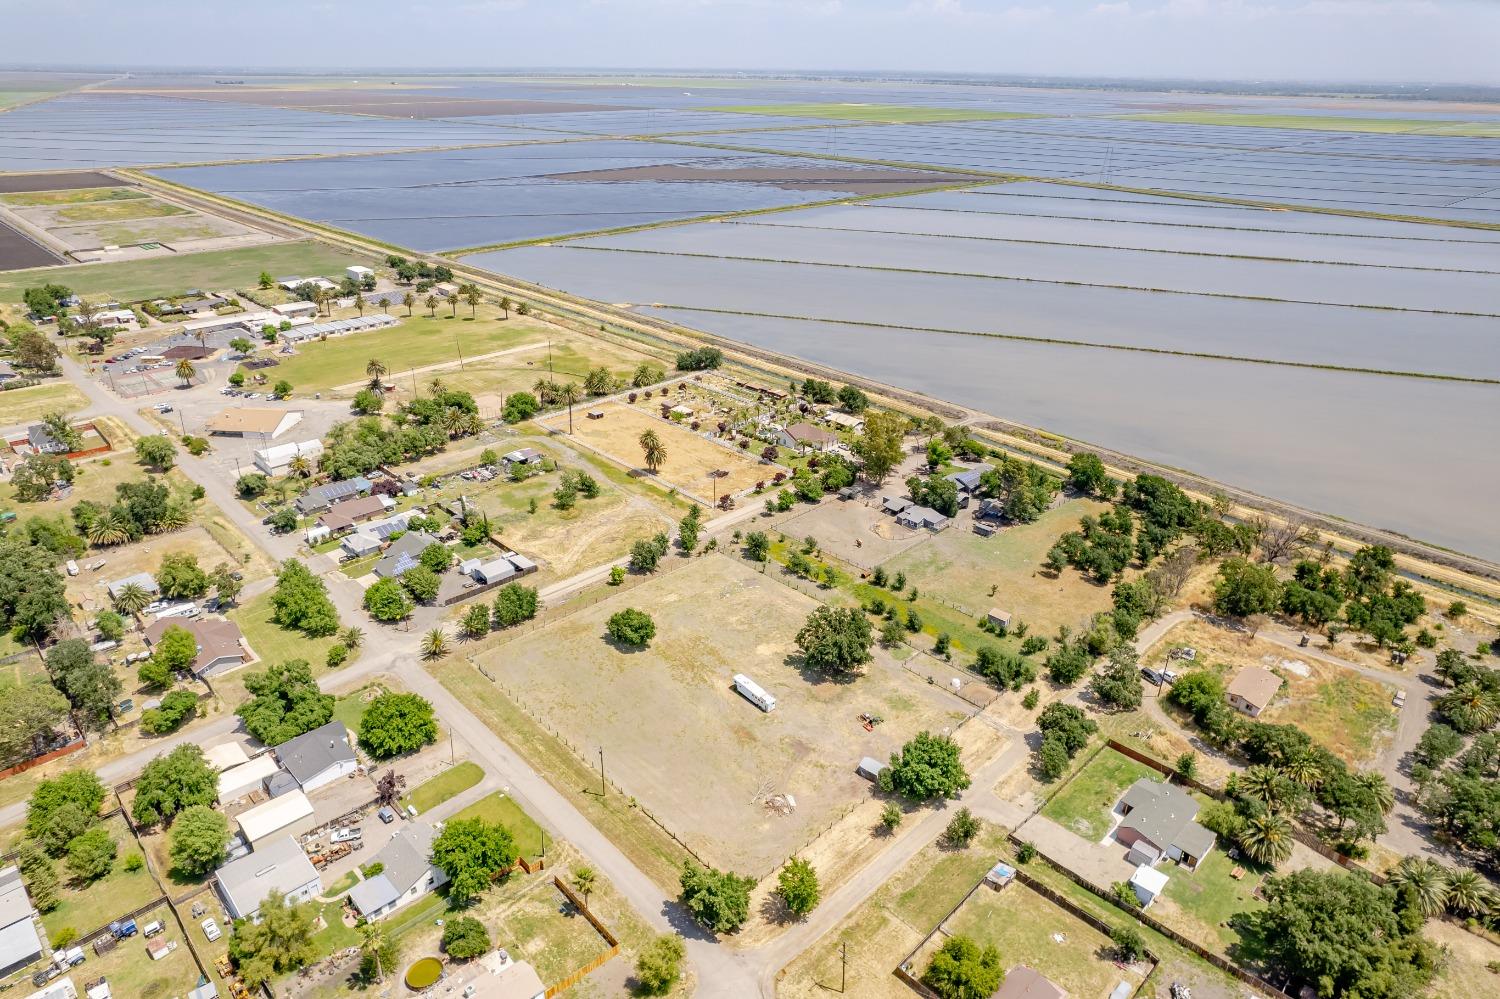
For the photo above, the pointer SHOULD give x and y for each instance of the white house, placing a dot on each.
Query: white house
(295, 310)
(408, 873)
(288, 814)
(358, 273)
(320, 757)
(279, 865)
(277, 460)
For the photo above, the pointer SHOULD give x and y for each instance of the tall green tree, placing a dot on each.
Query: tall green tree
(397, 723)
(472, 852)
(717, 900)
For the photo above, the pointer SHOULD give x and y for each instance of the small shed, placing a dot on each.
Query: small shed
(496, 571)
(1000, 875)
(999, 618)
(1147, 882)
(225, 756)
(596, 414)
(894, 504)
(869, 768)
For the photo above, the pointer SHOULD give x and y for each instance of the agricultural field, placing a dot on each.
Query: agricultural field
(1028, 929)
(72, 196)
(707, 778)
(690, 457)
(107, 210)
(887, 114)
(134, 280)
(1086, 803)
(1341, 708)
(27, 405)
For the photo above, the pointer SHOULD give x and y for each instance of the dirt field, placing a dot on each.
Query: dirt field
(87, 588)
(1468, 954)
(18, 252)
(22, 183)
(958, 567)
(839, 525)
(23, 406)
(689, 457)
(705, 774)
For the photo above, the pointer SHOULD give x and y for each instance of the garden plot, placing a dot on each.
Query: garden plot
(707, 774)
(690, 456)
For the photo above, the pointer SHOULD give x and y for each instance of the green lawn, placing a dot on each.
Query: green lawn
(273, 643)
(436, 790)
(350, 708)
(416, 342)
(1208, 897)
(134, 280)
(884, 113)
(334, 936)
(87, 907)
(86, 195)
(1085, 802)
(1329, 123)
(502, 809)
(343, 884)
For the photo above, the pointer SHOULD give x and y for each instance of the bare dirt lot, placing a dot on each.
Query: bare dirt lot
(707, 767)
(689, 457)
(853, 532)
(27, 182)
(17, 252)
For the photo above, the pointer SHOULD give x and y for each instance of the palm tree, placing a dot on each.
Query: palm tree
(431, 304)
(584, 879)
(598, 381)
(453, 421)
(131, 598)
(435, 644)
(371, 944)
(654, 451)
(505, 305)
(1469, 894)
(546, 391)
(453, 301)
(1267, 838)
(472, 425)
(1263, 784)
(473, 296)
(1379, 788)
(353, 636)
(1470, 707)
(436, 387)
(108, 530)
(1427, 879)
(569, 394)
(299, 466)
(1304, 769)
(186, 371)
(377, 373)
(408, 300)
(359, 303)
(174, 518)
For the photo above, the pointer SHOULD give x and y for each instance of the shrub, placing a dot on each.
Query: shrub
(631, 627)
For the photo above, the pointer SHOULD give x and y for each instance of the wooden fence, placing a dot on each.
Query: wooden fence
(47, 757)
(599, 927)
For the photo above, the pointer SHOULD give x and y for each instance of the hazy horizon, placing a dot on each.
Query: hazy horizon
(1229, 41)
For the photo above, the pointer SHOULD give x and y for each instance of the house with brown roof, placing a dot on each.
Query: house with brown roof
(221, 646)
(1022, 982)
(1252, 690)
(189, 351)
(250, 421)
(344, 516)
(805, 435)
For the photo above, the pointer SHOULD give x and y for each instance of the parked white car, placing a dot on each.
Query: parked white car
(211, 929)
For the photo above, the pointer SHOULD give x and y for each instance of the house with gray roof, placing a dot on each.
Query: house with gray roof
(319, 757)
(144, 580)
(403, 554)
(320, 498)
(276, 865)
(1158, 821)
(917, 517)
(968, 480)
(407, 875)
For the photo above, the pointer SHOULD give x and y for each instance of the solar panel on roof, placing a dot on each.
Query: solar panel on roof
(404, 562)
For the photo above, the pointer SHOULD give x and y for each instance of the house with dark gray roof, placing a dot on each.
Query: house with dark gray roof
(1158, 821)
(408, 873)
(968, 480)
(319, 757)
(403, 554)
(320, 498)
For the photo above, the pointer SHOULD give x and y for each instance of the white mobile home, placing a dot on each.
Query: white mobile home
(754, 692)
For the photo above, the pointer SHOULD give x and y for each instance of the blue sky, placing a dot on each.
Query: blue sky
(1385, 40)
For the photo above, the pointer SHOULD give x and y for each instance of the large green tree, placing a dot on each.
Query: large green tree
(836, 640)
(199, 837)
(472, 852)
(717, 900)
(281, 942)
(30, 713)
(301, 601)
(396, 723)
(286, 702)
(961, 969)
(927, 767)
(170, 783)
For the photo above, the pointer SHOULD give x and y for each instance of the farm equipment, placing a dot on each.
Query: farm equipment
(870, 721)
(334, 852)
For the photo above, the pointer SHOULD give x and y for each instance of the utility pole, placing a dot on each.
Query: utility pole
(843, 965)
(602, 791)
